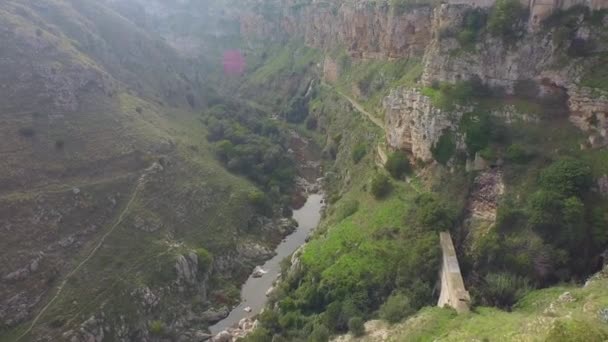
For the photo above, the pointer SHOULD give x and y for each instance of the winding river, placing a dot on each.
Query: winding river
(253, 292)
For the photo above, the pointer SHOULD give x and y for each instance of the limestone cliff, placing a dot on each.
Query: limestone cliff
(366, 29)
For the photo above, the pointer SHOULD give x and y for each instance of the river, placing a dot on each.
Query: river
(253, 293)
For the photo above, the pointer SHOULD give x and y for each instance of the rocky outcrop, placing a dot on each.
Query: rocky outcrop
(413, 124)
(589, 112)
(366, 28)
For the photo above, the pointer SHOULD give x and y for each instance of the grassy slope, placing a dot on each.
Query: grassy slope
(109, 140)
(539, 316)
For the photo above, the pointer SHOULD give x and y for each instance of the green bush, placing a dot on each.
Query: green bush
(466, 38)
(567, 176)
(381, 186)
(358, 153)
(157, 328)
(516, 153)
(356, 326)
(432, 214)
(505, 18)
(204, 259)
(488, 153)
(445, 147)
(477, 128)
(398, 165)
(575, 331)
(504, 289)
(260, 334)
(396, 308)
(347, 209)
(260, 202)
(320, 333)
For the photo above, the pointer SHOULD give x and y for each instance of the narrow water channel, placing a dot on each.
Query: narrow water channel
(253, 292)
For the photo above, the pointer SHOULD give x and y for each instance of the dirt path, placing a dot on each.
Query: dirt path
(140, 184)
(376, 121)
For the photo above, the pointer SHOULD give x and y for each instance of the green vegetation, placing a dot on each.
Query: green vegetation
(204, 259)
(446, 96)
(506, 19)
(473, 22)
(359, 152)
(432, 214)
(396, 308)
(356, 327)
(157, 328)
(357, 258)
(445, 147)
(597, 75)
(380, 186)
(398, 165)
(401, 6)
(503, 289)
(250, 144)
(374, 79)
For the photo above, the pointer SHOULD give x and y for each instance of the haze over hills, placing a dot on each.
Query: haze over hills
(153, 152)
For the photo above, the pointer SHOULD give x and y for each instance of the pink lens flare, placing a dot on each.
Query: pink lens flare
(234, 62)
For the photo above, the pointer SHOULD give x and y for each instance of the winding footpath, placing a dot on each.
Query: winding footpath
(140, 185)
(376, 121)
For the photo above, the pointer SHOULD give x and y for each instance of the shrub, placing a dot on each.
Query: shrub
(157, 328)
(396, 308)
(504, 18)
(381, 186)
(445, 147)
(516, 153)
(356, 326)
(504, 289)
(204, 259)
(488, 153)
(432, 214)
(575, 331)
(358, 153)
(567, 176)
(397, 164)
(27, 132)
(260, 202)
(311, 123)
(347, 209)
(260, 334)
(466, 38)
(320, 333)
(139, 110)
(544, 210)
(478, 131)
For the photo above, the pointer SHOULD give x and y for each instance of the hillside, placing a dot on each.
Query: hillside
(143, 178)
(116, 213)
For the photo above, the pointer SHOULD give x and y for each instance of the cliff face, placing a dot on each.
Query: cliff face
(373, 30)
(364, 28)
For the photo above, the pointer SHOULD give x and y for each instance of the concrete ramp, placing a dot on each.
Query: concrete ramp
(453, 292)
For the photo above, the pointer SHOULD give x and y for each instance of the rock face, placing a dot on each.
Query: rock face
(367, 29)
(413, 124)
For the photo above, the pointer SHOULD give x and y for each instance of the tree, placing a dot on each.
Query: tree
(381, 186)
(397, 164)
(505, 17)
(567, 176)
(358, 153)
(433, 214)
(356, 326)
(396, 307)
(204, 259)
(504, 289)
(320, 333)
